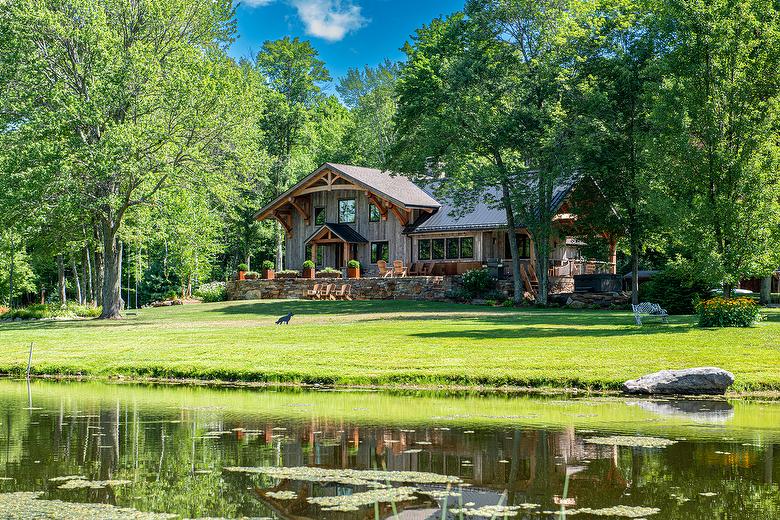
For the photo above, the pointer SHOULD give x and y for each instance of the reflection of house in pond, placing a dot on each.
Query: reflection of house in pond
(524, 463)
(714, 411)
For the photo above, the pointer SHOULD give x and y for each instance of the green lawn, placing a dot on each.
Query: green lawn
(391, 342)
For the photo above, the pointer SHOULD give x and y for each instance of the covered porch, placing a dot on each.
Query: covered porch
(334, 245)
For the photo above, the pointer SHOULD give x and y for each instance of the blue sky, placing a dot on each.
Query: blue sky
(347, 33)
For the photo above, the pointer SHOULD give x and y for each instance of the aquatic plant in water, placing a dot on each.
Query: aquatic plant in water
(623, 511)
(24, 505)
(80, 483)
(632, 441)
(354, 501)
(282, 495)
(369, 478)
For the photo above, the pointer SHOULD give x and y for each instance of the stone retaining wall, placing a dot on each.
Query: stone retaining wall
(431, 288)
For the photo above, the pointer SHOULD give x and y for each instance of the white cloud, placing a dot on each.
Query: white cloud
(255, 3)
(329, 19)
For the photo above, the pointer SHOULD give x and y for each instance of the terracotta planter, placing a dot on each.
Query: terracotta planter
(268, 274)
(308, 273)
(241, 275)
(353, 272)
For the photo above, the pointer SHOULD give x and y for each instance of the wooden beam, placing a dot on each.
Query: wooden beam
(285, 219)
(314, 252)
(300, 209)
(378, 203)
(401, 215)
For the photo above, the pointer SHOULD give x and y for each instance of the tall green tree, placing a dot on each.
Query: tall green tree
(615, 80)
(370, 95)
(718, 114)
(481, 98)
(132, 99)
(294, 73)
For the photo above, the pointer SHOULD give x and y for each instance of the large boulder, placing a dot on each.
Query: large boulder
(690, 381)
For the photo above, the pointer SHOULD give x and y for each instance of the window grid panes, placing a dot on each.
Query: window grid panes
(467, 247)
(437, 248)
(424, 249)
(453, 248)
(319, 216)
(346, 211)
(380, 251)
(373, 213)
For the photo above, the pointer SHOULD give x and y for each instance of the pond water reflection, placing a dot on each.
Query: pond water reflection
(204, 452)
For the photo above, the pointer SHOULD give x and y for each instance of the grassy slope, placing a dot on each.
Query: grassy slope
(389, 342)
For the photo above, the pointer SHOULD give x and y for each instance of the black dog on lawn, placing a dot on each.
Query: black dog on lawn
(284, 319)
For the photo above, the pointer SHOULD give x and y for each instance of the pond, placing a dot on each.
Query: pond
(98, 450)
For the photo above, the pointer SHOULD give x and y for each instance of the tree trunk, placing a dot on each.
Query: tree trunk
(517, 283)
(728, 288)
(766, 291)
(11, 274)
(634, 272)
(542, 254)
(76, 280)
(119, 274)
(61, 279)
(85, 283)
(89, 276)
(111, 297)
(279, 247)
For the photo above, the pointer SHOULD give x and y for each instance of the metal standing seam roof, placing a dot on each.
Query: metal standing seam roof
(343, 231)
(482, 216)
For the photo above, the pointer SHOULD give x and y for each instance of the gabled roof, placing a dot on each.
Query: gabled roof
(393, 187)
(343, 231)
(484, 215)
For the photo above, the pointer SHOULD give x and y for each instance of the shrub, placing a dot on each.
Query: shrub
(458, 295)
(251, 275)
(478, 282)
(308, 264)
(53, 310)
(328, 272)
(288, 273)
(677, 288)
(268, 265)
(728, 312)
(353, 264)
(495, 295)
(211, 292)
(242, 267)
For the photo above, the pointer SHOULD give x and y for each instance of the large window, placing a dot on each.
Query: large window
(453, 248)
(373, 213)
(380, 251)
(346, 211)
(467, 247)
(437, 248)
(523, 246)
(440, 248)
(319, 216)
(423, 249)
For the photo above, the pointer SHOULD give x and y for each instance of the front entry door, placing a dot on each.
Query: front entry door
(339, 255)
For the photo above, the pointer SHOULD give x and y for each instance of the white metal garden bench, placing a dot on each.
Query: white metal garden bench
(649, 309)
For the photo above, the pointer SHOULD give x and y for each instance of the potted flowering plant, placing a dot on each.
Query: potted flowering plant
(268, 270)
(308, 269)
(242, 269)
(353, 269)
(251, 275)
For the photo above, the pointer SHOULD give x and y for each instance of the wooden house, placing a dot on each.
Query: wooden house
(341, 212)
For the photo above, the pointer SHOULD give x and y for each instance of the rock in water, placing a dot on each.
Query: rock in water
(690, 381)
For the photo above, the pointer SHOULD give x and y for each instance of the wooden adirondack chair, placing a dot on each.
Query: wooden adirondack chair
(416, 269)
(384, 272)
(314, 292)
(343, 293)
(399, 269)
(327, 294)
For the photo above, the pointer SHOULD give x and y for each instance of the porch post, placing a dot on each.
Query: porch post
(613, 257)
(314, 252)
(346, 254)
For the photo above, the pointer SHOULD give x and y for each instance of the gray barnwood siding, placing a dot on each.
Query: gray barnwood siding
(389, 230)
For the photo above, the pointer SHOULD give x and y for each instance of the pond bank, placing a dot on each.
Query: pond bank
(484, 390)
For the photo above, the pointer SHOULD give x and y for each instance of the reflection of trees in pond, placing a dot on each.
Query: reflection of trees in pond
(174, 455)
